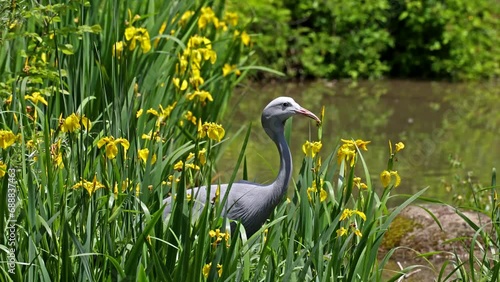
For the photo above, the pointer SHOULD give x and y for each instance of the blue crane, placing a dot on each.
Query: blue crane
(252, 203)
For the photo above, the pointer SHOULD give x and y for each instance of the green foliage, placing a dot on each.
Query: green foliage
(483, 260)
(268, 20)
(454, 39)
(321, 39)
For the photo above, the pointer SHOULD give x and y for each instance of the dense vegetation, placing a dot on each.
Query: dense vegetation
(452, 39)
(107, 107)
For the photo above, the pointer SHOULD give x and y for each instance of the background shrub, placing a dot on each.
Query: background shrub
(452, 39)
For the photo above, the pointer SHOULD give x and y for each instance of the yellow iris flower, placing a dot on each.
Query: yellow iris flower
(311, 148)
(346, 213)
(190, 117)
(182, 86)
(245, 38)
(400, 146)
(206, 269)
(139, 113)
(144, 154)
(197, 42)
(341, 232)
(323, 195)
(111, 146)
(219, 269)
(7, 138)
(360, 214)
(185, 17)
(347, 151)
(202, 156)
(178, 165)
(207, 16)
(358, 233)
(227, 69)
(386, 178)
(231, 18)
(163, 114)
(357, 182)
(214, 131)
(72, 123)
(91, 187)
(201, 94)
(310, 191)
(160, 32)
(359, 143)
(118, 49)
(150, 136)
(36, 97)
(133, 34)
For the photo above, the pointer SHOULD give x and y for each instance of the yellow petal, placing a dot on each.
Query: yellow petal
(103, 141)
(145, 45)
(215, 132)
(111, 150)
(202, 157)
(129, 32)
(206, 269)
(124, 142)
(346, 213)
(178, 166)
(306, 148)
(71, 123)
(323, 195)
(341, 232)
(362, 144)
(245, 38)
(219, 269)
(226, 69)
(143, 154)
(184, 85)
(3, 169)
(398, 178)
(7, 138)
(385, 178)
(358, 233)
(139, 113)
(86, 123)
(361, 214)
(153, 112)
(400, 146)
(132, 44)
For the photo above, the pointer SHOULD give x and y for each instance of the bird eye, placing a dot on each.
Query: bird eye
(286, 104)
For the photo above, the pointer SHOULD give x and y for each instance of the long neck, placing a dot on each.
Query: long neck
(280, 185)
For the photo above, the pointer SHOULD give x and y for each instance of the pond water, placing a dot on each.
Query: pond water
(451, 131)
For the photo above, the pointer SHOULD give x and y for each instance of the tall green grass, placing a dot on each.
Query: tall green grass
(482, 260)
(89, 200)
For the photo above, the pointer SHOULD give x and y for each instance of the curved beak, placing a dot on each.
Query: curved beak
(307, 113)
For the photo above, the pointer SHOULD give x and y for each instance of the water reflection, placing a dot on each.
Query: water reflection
(434, 120)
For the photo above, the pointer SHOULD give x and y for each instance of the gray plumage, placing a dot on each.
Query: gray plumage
(253, 203)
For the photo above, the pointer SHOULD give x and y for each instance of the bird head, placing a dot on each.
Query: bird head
(278, 111)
